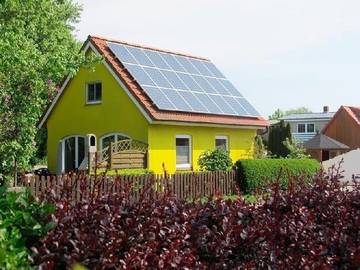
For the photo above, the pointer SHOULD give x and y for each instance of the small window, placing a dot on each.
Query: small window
(221, 142)
(93, 93)
(301, 128)
(310, 128)
(183, 152)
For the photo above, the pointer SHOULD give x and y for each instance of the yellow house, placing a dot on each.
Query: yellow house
(175, 105)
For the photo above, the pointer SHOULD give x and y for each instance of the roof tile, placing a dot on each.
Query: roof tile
(162, 115)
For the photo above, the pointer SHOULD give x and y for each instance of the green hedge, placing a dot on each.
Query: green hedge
(256, 173)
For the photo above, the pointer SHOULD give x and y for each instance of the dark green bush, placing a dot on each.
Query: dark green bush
(215, 160)
(257, 173)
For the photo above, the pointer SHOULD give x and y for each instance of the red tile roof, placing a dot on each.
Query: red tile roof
(100, 44)
(354, 113)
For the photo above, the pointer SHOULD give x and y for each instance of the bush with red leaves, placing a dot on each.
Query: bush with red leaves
(316, 226)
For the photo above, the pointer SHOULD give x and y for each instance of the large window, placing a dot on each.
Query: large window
(113, 137)
(222, 142)
(93, 93)
(183, 152)
(306, 128)
(73, 153)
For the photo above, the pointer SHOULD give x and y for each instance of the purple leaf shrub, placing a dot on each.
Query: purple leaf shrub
(314, 226)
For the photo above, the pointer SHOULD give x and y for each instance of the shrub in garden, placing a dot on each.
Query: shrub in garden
(314, 226)
(215, 160)
(278, 133)
(22, 222)
(257, 173)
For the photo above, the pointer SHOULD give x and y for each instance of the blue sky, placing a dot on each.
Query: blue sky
(279, 53)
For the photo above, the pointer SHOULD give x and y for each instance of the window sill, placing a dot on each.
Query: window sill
(93, 102)
(183, 167)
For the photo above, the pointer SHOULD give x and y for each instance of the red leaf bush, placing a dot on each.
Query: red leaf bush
(314, 226)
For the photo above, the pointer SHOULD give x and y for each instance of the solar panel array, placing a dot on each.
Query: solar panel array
(181, 83)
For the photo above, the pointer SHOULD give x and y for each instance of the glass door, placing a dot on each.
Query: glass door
(73, 153)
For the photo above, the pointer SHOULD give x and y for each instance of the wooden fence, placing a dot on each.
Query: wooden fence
(183, 186)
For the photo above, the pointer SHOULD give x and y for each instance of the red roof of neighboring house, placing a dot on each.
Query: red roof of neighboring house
(149, 107)
(354, 113)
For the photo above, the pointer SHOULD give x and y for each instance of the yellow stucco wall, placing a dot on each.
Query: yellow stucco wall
(162, 144)
(72, 116)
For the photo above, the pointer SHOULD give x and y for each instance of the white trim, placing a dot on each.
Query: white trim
(185, 165)
(62, 169)
(176, 123)
(307, 120)
(297, 128)
(223, 137)
(87, 93)
(77, 163)
(306, 128)
(76, 152)
(116, 134)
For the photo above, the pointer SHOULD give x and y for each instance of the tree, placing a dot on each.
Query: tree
(296, 150)
(279, 113)
(37, 50)
(259, 148)
(278, 133)
(276, 115)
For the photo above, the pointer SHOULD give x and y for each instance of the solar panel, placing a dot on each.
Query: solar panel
(182, 83)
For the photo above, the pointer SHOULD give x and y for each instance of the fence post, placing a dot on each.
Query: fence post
(110, 159)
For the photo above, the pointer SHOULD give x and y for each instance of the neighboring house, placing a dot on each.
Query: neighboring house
(157, 108)
(305, 126)
(345, 126)
(348, 164)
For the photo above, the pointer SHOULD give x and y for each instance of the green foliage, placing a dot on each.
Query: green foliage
(276, 115)
(22, 222)
(297, 151)
(279, 113)
(259, 148)
(255, 174)
(215, 160)
(278, 133)
(37, 50)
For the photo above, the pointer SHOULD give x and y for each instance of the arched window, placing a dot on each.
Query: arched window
(112, 137)
(72, 152)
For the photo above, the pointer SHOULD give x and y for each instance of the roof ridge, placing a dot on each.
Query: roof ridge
(352, 113)
(147, 47)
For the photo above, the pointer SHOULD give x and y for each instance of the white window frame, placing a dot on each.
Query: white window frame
(186, 165)
(307, 131)
(116, 134)
(223, 137)
(77, 163)
(87, 93)
(297, 128)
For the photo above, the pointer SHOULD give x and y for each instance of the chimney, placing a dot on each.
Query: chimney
(326, 109)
